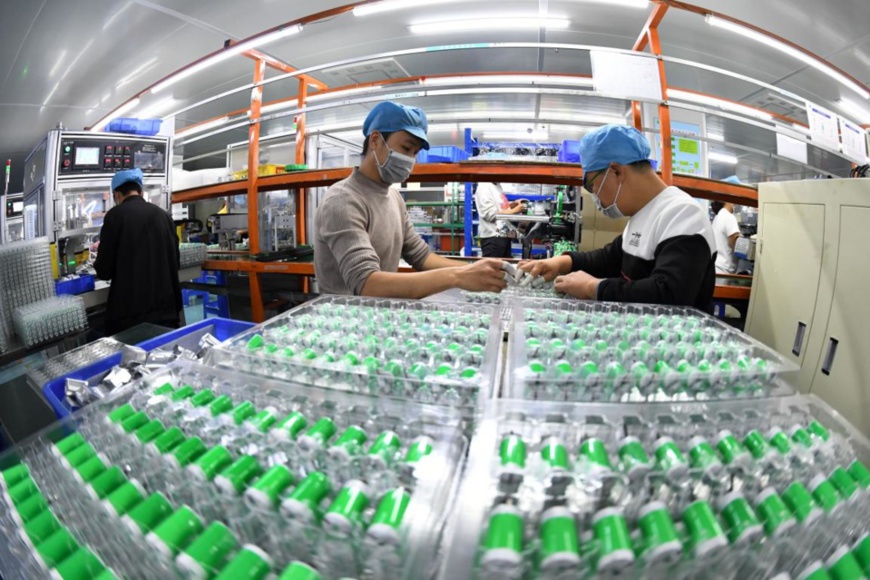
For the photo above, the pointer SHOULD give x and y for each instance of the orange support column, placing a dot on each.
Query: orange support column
(257, 311)
(667, 162)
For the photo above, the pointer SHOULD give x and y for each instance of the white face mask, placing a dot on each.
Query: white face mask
(612, 211)
(396, 168)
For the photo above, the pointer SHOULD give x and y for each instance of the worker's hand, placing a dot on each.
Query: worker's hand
(482, 276)
(519, 208)
(514, 204)
(578, 284)
(547, 269)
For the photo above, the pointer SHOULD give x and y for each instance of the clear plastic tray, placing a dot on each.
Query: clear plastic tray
(407, 550)
(585, 488)
(566, 350)
(430, 352)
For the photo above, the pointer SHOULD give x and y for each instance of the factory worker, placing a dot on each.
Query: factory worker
(362, 228)
(726, 231)
(667, 252)
(139, 253)
(492, 203)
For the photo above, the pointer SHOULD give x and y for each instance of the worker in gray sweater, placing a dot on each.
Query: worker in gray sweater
(362, 228)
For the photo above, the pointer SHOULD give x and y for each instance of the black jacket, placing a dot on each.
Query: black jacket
(139, 254)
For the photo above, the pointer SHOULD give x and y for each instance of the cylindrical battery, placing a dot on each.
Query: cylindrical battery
(120, 413)
(819, 430)
(184, 392)
(815, 571)
(420, 448)
(302, 503)
(595, 454)
(801, 436)
(730, 448)
(241, 412)
(39, 528)
(299, 571)
(164, 389)
(669, 458)
(220, 405)
(843, 482)
(633, 458)
(661, 543)
(773, 513)
(168, 440)
(56, 548)
(207, 553)
(842, 565)
(702, 456)
(29, 508)
(384, 527)
(174, 533)
(345, 512)
(779, 440)
(187, 452)
(349, 443)
(12, 475)
(79, 455)
(824, 492)
(202, 398)
(706, 537)
(149, 431)
(318, 434)
(615, 555)
(147, 514)
(503, 542)
(801, 503)
(263, 420)
(107, 482)
(22, 491)
(233, 479)
(251, 563)
(512, 452)
(127, 496)
(80, 564)
(756, 444)
(861, 549)
(266, 491)
(741, 523)
(554, 454)
(210, 463)
(90, 469)
(860, 473)
(385, 447)
(560, 543)
(134, 421)
(67, 444)
(290, 426)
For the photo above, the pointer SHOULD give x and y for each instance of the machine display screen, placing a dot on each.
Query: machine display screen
(148, 160)
(17, 206)
(87, 155)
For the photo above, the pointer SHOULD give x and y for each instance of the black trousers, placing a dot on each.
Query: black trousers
(496, 247)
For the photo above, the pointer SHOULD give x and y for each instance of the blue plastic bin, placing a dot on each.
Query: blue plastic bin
(569, 152)
(132, 126)
(221, 328)
(445, 154)
(77, 286)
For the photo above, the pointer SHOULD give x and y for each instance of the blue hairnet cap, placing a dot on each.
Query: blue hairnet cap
(126, 176)
(389, 117)
(612, 144)
(733, 179)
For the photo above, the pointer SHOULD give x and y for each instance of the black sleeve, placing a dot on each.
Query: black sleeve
(175, 242)
(603, 263)
(680, 266)
(108, 250)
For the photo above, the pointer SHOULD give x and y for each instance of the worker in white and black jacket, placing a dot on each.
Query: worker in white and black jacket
(667, 252)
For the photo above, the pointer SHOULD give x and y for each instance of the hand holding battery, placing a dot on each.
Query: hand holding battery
(578, 284)
(482, 276)
(547, 269)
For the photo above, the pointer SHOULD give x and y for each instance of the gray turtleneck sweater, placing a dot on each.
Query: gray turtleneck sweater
(362, 227)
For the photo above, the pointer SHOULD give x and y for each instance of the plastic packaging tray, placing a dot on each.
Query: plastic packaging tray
(569, 152)
(584, 489)
(133, 126)
(410, 552)
(431, 352)
(566, 350)
(444, 154)
(80, 285)
(188, 337)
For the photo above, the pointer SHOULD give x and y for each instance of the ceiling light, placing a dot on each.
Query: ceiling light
(518, 136)
(509, 23)
(185, 132)
(715, 137)
(580, 118)
(789, 50)
(139, 69)
(623, 3)
(460, 115)
(388, 5)
(720, 103)
(226, 54)
(341, 94)
(722, 157)
(156, 108)
(508, 80)
(860, 113)
(114, 114)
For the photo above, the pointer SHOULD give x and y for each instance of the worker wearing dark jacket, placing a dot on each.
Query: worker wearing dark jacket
(139, 253)
(665, 255)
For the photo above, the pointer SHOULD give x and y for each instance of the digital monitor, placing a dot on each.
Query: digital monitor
(87, 156)
(149, 161)
(17, 206)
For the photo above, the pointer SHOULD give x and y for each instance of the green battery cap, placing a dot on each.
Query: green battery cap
(387, 519)
(800, 502)
(560, 543)
(164, 389)
(299, 571)
(68, 443)
(168, 440)
(774, 514)
(385, 447)
(843, 565)
(127, 496)
(187, 452)
(149, 431)
(303, 501)
(512, 452)
(263, 421)
(319, 433)
(134, 421)
(80, 565)
(242, 412)
(420, 448)
(185, 392)
(235, 477)
(824, 492)
(22, 491)
(14, 474)
(79, 455)
(503, 541)
(39, 528)
(119, 414)
(844, 482)
(220, 405)
(90, 469)
(106, 482)
(266, 491)
(554, 454)
(250, 563)
(29, 508)
(175, 532)
(202, 398)
(210, 463)
(345, 512)
(290, 426)
(860, 474)
(595, 452)
(57, 547)
(208, 552)
(819, 430)
(350, 442)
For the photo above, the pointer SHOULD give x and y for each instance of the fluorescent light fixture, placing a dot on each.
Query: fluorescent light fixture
(157, 108)
(341, 94)
(226, 54)
(719, 103)
(116, 113)
(507, 23)
(715, 137)
(519, 136)
(471, 115)
(622, 3)
(508, 80)
(722, 157)
(136, 72)
(185, 132)
(789, 50)
(57, 63)
(861, 114)
(588, 119)
(389, 5)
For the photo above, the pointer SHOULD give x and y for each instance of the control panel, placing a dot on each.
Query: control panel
(14, 205)
(80, 156)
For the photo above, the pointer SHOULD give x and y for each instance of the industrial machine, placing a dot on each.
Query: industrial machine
(12, 219)
(555, 223)
(67, 182)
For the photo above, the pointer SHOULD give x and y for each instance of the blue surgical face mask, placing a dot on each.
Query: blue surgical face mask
(396, 168)
(612, 211)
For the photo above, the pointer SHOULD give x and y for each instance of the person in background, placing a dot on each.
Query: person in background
(666, 253)
(362, 228)
(139, 253)
(726, 231)
(491, 203)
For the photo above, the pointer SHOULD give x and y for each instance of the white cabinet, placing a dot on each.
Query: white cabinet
(809, 298)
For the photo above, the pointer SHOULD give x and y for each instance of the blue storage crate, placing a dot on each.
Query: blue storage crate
(80, 285)
(446, 154)
(569, 152)
(132, 126)
(220, 328)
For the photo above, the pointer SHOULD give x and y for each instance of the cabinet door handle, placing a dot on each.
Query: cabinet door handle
(799, 339)
(829, 356)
